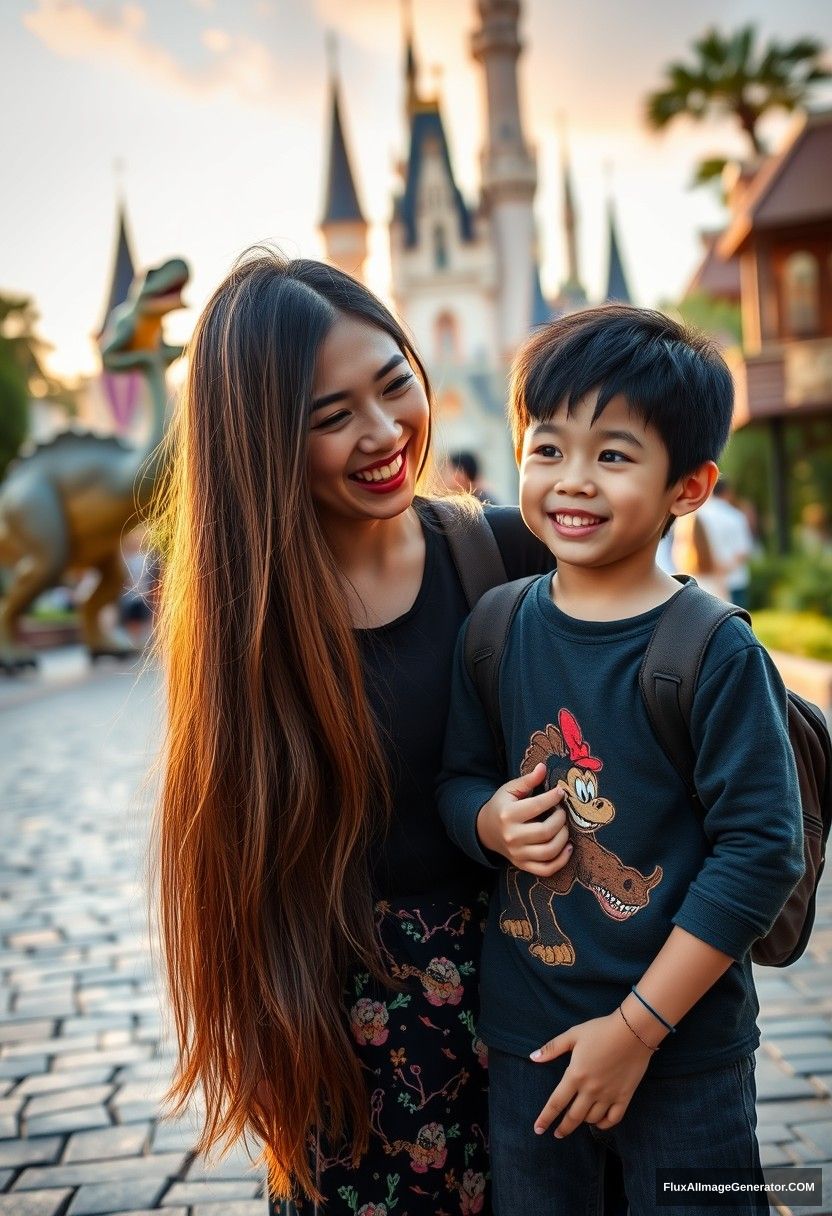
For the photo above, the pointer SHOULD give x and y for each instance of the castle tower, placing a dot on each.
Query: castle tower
(343, 226)
(509, 174)
(618, 288)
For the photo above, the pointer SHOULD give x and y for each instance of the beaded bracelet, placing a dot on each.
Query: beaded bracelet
(650, 1009)
(633, 1030)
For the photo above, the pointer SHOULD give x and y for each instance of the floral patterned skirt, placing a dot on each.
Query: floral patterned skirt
(426, 1074)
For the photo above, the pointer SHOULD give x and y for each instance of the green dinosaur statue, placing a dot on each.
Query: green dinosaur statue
(67, 503)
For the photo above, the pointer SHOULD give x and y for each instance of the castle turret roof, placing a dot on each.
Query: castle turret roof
(341, 202)
(617, 286)
(123, 268)
(426, 128)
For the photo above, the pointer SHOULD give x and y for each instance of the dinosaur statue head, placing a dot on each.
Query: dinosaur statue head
(160, 290)
(133, 335)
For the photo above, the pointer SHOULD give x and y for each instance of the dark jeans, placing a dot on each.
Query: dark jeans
(704, 1121)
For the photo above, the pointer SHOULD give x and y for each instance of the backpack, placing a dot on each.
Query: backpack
(667, 681)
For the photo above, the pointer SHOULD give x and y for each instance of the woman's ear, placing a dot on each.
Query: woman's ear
(694, 488)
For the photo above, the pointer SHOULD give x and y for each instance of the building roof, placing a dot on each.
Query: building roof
(715, 276)
(617, 286)
(341, 200)
(124, 269)
(426, 129)
(790, 188)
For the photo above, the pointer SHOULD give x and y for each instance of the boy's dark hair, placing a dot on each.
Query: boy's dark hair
(673, 378)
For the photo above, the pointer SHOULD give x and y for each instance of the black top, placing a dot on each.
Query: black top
(407, 668)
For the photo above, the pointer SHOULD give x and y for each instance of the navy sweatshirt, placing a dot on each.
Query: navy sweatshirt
(645, 859)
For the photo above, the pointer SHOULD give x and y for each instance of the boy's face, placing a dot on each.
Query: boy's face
(595, 494)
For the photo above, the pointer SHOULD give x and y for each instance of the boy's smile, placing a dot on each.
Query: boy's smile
(596, 493)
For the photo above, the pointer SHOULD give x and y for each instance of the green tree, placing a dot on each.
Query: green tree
(728, 74)
(22, 374)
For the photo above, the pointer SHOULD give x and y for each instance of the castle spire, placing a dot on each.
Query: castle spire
(343, 226)
(123, 263)
(617, 286)
(411, 70)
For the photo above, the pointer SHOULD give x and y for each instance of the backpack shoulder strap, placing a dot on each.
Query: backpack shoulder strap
(485, 640)
(670, 670)
(473, 546)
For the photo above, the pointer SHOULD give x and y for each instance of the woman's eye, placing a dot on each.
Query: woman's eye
(612, 457)
(399, 383)
(332, 420)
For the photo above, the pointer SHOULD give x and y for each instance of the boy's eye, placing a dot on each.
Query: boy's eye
(548, 451)
(332, 420)
(613, 457)
(399, 383)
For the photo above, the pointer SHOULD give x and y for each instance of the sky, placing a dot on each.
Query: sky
(210, 117)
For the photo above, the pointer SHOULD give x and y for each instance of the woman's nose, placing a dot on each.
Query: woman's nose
(382, 431)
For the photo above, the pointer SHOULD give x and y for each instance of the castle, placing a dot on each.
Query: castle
(465, 279)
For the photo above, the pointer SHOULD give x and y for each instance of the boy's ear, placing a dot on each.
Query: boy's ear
(694, 488)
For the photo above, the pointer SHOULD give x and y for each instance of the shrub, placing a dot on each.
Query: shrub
(801, 633)
(801, 582)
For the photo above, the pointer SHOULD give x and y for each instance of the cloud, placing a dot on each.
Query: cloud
(117, 35)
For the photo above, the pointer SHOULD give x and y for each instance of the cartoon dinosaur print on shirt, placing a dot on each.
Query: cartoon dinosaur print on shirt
(620, 890)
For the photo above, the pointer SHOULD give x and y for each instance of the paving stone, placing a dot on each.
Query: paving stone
(819, 1135)
(773, 1133)
(63, 1122)
(106, 1198)
(243, 1207)
(169, 1136)
(36, 1203)
(33, 938)
(5, 1178)
(809, 1045)
(787, 1028)
(51, 1047)
(68, 1099)
(114, 1056)
(8, 1127)
(46, 1007)
(19, 1032)
(795, 1112)
(104, 1170)
(190, 1193)
(235, 1164)
(128, 1140)
(30, 1152)
(52, 1082)
(21, 1066)
(810, 1065)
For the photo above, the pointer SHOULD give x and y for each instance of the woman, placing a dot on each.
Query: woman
(320, 931)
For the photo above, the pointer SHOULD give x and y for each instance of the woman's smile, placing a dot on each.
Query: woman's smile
(383, 475)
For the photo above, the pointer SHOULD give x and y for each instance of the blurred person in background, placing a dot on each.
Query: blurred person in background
(462, 471)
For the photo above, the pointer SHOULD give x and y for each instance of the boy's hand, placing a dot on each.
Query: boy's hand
(508, 824)
(607, 1064)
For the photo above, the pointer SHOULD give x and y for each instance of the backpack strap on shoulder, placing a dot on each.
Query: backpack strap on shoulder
(485, 640)
(473, 546)
(670, 670)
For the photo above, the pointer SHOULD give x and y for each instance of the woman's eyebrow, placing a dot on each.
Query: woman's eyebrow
(331, 398)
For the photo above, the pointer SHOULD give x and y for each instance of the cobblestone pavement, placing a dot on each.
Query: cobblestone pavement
(83, 1052)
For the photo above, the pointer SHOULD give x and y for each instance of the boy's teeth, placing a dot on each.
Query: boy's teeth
(576, 521)
(385, 473)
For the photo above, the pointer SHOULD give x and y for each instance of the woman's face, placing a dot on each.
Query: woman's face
(368, 425)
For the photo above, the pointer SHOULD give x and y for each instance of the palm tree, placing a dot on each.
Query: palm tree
(730, 76)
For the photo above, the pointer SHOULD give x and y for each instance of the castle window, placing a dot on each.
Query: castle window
(440, 248)
(801, 295)
(446, 338)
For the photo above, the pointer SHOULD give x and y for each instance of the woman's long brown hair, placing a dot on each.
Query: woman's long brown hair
(274, 780)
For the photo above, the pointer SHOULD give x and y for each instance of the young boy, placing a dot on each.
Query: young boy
(620, 962)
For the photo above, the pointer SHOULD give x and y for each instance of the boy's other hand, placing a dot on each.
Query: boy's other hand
(606, 1066)
(510, 824)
